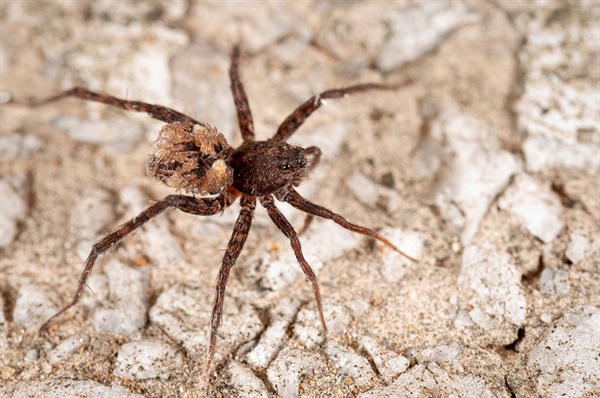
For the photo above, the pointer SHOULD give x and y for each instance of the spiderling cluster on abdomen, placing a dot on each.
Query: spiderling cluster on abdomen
(191, 157)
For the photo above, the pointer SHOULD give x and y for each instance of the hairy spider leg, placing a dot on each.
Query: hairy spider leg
(197, 206)
(234, 248)
(297, 201)
(295, 120)
(284, 226)
(316, 156)
(159, 112)
(239, 97)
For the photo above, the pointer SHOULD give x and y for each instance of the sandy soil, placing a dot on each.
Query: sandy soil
(485, 167)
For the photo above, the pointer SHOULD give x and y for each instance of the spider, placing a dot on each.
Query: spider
(192, 156)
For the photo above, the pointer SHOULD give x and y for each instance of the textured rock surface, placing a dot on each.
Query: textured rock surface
(484, 168)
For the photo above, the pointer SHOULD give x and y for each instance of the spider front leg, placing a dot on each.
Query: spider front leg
(187, 204)
(234, 248)
(295, 120)
(284, 226)
(297, 201)
(239, 98)
(159, 112)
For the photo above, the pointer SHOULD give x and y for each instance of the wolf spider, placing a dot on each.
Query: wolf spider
(193, 156)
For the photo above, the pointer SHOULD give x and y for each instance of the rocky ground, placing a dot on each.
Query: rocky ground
(485, 168)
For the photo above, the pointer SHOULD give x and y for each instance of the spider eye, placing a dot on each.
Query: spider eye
(285, 166)
(302, 163)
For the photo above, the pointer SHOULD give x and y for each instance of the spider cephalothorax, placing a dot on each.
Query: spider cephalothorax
(194, 157)
(265, 167)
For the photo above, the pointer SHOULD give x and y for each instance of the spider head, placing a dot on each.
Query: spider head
(265, 167)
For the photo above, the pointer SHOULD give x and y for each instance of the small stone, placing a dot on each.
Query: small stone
(466, 159)
(14, 146)
(419, 29)
(7, 372)
(566, 361)
(373, 194)
(93, 214)
(554, 282)
(324, 241)
(183, 312)
(125, 310)
(163, 248)
(389, 364)
(349, 363)
(245, 383)
(308, 329)
(481, 318)
(445, 353)
(13, 208)
(491, 285)
(286, 371)
(275, 335)
(394, 264)
(421, 380)
(105, 133)
(148, 359)
(63, 388)
(581, 245)
(65, 349)
(545, 153)
(536, 205)
(33, 306)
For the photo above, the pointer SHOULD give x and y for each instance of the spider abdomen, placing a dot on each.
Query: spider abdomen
(192, 157)
(265, 167)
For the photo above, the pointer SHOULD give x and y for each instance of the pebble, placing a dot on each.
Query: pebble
(543, 153)
(139, 52)
(441, 354)
(63, 388)
(558, 108)
(348, 363)
(259, 26)
(245, 383)
(107, 133)
(183, 312)
(308, 329)
(148, 359)
(566, 361)
(275, 335)
(418, 29)
(15, 146)
(394, 264)
(66, 347)
(207, 99)
(124, 311)
(535, 205)
(13, 207)
(163, 248)
(93, 214)
(422, 380)
(581, 245)
(33, 305)
(469, 165)
(389, 364)
(288, 369)
(323, 242)
(554, 282)
(491, 284)
(373, 194)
